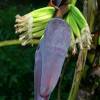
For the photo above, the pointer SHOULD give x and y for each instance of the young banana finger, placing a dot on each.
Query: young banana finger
(73, 45)
(38, 34)
(74, 26)
(78, 16)
(43, 12)
(38, 28)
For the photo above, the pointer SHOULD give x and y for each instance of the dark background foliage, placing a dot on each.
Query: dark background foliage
(17, 62)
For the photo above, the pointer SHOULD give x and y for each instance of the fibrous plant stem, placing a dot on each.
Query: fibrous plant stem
(16, 42)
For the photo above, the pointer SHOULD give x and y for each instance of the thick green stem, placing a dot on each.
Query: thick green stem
(78, 74)
(92, 9)
(16, 42)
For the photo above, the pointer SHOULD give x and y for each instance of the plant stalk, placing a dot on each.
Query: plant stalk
(16, 42)
(78, 74)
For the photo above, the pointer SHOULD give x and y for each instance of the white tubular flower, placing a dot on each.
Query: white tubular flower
(24, 25)
(85, 39)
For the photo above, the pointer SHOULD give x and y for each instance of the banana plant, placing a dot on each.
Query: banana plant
(56, 36)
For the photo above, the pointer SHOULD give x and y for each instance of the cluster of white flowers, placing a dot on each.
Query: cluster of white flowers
(24, 25)
(85, 39)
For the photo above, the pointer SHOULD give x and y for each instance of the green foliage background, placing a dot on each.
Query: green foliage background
(16, 62)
